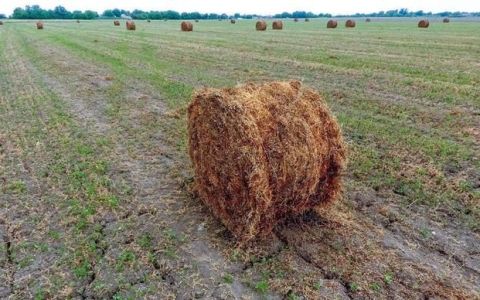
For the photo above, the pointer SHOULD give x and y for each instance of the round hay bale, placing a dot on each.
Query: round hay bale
(350, 24)
(196, 21)
(262, 153)
(39, 25)
(277, 25)
(332, 24)
(116, 23)
(149, 21)
(423, 24)
(232, 21)
(78, 21)
(368, 20)
(295, 20)
(186, 26)
(307, 20)
(131, 25)
(1, 22)
(446, 20)
(261, 26)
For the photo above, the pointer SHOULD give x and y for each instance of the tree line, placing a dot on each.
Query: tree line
(60, 12)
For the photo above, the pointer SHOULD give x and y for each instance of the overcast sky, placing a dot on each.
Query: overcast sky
(252, 6)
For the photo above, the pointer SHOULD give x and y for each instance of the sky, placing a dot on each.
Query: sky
(265, 7)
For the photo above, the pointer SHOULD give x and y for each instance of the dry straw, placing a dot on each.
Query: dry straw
(186, 26)
(131, 25)
(332, 24)
(277, 25)
(262, 153)
(350, 24)
(423, 24)
(39, 25)
(261, 26)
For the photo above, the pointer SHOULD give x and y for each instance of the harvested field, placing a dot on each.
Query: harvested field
(96, 184)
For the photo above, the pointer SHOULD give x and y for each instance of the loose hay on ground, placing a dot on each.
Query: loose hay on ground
(262, 153)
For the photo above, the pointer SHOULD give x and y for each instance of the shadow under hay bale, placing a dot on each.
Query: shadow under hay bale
(350, 24)
(277, 25)
(423, 24)
(263, 153)
(131, 25)
(186, 26)
(446, 20)
(39, 25)
(261, 26)
(116, 23)
(332, 24)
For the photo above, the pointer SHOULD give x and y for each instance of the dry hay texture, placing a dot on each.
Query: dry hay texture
(186, 26)
(277, 25)
(261, 26)
(39, 25)
(262, 153)
(233, 21)
(423, 24)
(131, 25)
(446, 20)
(350, 24)
(332, 24)
(116, 23)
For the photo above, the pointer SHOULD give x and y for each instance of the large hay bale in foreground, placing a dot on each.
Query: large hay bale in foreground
(350, 24)
(277, 25)
(332, 24)
(261, 26)
(39, 25)
(446, 20)
(262, 153)
(116, 23)
(131, 25)
(423, 24)
(186, 26)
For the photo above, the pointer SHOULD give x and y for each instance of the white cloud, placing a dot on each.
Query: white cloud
(249, 6)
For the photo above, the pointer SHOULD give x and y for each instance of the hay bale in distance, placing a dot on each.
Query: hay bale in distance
(149, 21)
(423, 24)
(295, 20)
(307, 20)
(39, 25)
(332, 24)
(116, 23)
(1, 22)
(368, 20)
(277, 25)
(446, 20)
(350, 24)
(232, 21)
(78, 21)
(186, 26)
(196, 21)
(262, 153)
(261, 25)
(131, 25)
